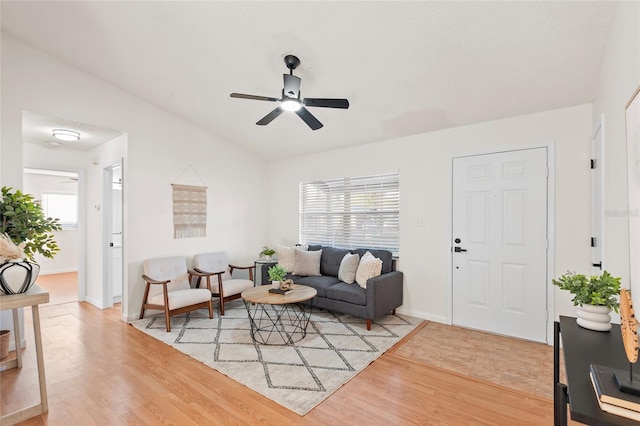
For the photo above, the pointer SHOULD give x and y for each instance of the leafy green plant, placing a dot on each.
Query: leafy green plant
(600, 290)
(277, 273)
(23, 221)
(266, 251)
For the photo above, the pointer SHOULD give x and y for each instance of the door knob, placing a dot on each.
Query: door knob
(458, 249)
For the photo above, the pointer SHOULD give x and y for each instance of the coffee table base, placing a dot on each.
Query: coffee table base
(278, 324)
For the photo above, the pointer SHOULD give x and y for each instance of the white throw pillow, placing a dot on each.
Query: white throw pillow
(307, 263)
(286, 257)
(348, 268)
(368, 267)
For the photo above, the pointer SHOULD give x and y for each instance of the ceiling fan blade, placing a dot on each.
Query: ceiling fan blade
(309, 118)
(291, 85)
(326, 103)
(254, 97)
(269, 117)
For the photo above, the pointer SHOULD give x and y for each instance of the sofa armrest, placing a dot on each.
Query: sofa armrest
(384, 293)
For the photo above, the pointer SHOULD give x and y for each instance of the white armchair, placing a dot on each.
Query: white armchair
(225, 287)
(168, 288)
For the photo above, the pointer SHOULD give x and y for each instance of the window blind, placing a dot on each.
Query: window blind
(352, 212)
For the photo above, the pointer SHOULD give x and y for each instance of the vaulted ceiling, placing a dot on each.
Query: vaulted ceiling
(406, 67)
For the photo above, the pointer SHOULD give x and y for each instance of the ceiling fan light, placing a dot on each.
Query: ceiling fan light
(66, 135)
(290, 105)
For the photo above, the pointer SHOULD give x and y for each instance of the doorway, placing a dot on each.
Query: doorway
(59, 196)
(500, 228)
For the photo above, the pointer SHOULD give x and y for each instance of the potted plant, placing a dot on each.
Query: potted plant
(596, 295)
(25, 231)
(277, 274)
(267, 252)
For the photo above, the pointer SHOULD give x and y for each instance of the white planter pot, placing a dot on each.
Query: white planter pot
(275, 284)
(17, 276)
(594, 317)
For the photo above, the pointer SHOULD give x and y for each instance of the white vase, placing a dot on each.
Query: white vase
(594, 317)
(17, 276)
(275, 284)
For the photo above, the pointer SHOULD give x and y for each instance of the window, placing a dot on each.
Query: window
(352, 212)
(63, 207)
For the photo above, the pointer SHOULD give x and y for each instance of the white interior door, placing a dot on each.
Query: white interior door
(112, 219)
(499, 255)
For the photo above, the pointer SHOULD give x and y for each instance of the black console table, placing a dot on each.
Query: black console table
(581, 348)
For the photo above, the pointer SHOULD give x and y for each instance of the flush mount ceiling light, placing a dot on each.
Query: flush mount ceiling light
(66, 135)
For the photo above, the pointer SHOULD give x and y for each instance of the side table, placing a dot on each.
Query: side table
(34, 297)
(262, 271)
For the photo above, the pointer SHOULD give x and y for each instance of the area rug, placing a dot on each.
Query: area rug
(298, 376)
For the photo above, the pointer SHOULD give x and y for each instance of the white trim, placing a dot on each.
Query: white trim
(58, 271)
(550, 147)
(424, 315)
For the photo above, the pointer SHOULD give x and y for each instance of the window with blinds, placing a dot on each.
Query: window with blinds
(352, 212)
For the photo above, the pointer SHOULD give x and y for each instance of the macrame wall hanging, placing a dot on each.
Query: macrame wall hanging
(189, 208)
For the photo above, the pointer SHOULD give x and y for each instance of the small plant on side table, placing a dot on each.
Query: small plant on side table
(267, 252)
(596, 295)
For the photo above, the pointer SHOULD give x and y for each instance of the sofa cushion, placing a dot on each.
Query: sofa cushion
(320, 283)
(349, 293)
(368, 267)
(348, 268)
(385, 255)
(286, 257)
(330, 261)
(307, 262)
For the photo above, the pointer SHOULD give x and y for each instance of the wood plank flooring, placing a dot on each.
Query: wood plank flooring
(101, 371)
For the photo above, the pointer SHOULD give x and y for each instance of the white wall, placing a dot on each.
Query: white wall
(424, 163)
(159, 147)
(67, 258)
(618, 79)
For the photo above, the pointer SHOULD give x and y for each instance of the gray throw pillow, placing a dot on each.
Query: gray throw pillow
(307, 263)
(348, 268)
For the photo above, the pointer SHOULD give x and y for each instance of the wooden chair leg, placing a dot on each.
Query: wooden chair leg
(144, 300)
(210, 309)
(368, 324)
(221, 295)
(167, 318)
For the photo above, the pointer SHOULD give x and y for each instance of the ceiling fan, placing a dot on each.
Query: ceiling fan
(291, 100)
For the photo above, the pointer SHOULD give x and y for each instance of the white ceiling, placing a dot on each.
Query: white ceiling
(406, 67)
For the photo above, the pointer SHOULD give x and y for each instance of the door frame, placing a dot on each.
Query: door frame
(550, 146)
(107, 219)
(600, 239)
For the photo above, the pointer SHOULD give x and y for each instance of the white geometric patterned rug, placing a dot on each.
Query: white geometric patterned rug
(298, 376)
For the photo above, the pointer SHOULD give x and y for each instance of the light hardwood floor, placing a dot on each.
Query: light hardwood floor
(102, 371)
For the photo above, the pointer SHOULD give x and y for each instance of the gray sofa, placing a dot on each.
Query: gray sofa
(382, 295)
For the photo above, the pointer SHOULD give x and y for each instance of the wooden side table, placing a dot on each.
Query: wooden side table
(34, 297)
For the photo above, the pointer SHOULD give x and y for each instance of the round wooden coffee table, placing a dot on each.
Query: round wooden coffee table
(278, 319)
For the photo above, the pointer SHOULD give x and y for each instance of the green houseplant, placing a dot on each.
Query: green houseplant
(596, 295)
(26, 231)
(267, 252)
(277, 273)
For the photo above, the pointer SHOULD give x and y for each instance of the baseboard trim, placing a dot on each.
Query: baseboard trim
(58, 271)
(424, 315)
(94, 302)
